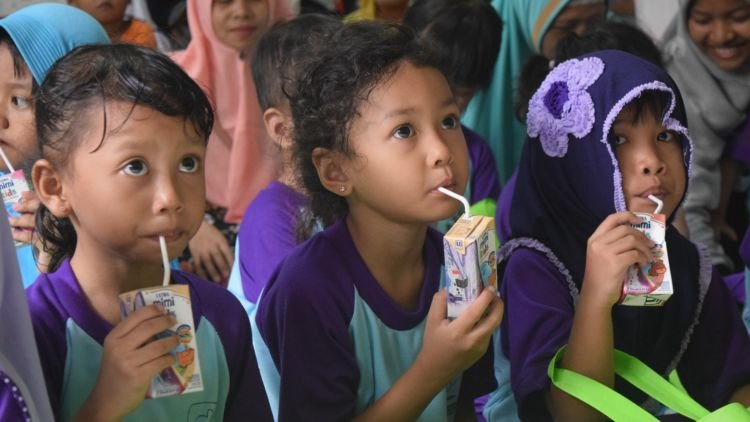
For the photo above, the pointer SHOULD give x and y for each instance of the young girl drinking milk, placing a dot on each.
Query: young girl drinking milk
(353, 324)
(123, 132)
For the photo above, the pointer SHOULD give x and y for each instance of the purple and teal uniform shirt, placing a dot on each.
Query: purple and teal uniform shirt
(267, 234)
(330, 341)
(70, 335)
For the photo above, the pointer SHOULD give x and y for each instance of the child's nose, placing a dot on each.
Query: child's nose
(4, 120)
(167, 198)
(439, 153)
(651, 163)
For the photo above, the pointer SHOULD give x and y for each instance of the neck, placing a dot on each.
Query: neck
(103, 276)
(393, 252)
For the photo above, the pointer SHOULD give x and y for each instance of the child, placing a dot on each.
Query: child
(111, 14)
(601, 36)
(352, 324)
(273, 223)
(239, 159)
(31, 39)
(605, 131)
(466, 36)
(124, 125)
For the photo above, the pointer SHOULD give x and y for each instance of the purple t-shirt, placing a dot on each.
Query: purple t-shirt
(56, 301)
(539, 315)
(738, 148)
(484, 180)
(335, 339)
(267, 235)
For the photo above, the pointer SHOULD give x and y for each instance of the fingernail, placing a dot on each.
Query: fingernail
(492, 288)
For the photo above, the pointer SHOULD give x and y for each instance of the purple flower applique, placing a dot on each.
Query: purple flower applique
(562, 107)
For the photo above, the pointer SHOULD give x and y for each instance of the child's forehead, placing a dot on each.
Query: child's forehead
(121, 121)
(13, 68)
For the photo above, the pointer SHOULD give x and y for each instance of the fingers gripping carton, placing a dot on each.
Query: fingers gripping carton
(184, 376)
(650, 285)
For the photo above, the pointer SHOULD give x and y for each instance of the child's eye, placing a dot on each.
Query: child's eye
(666, 136)
(21, 102)
(189, 165)
(403, 132)
(618, 140)
(135, 168)
(450, 122)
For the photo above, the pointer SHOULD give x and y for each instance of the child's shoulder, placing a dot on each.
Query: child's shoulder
(210, 296)
(276, 204)
(52, 293)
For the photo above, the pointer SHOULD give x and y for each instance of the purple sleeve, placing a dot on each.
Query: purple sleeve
(49, 332)
(267, 235)
(716, 362)
(538, 319)
(247, 398)
(484, 179)
(738, 148)
(303, 318)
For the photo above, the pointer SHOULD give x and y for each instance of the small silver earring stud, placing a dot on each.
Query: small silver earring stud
(342, 189)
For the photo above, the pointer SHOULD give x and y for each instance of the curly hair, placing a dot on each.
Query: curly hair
(89, 77)
(330, 91)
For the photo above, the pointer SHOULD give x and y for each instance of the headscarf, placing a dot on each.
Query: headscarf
(569, 181)
(490, 113)
(239, 160)
(716, 102)
(44, 32)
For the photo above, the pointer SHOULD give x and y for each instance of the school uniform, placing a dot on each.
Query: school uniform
(268, 233)
(330, 341)
(70, 335)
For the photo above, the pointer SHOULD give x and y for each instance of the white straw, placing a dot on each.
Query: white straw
(659, 203)
(454, 195)
(8, 165)
(165, 261)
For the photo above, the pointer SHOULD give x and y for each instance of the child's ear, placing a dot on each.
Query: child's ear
(49, 187)
(277, 127)
(331, 171)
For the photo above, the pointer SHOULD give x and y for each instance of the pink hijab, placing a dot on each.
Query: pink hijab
(239, 158)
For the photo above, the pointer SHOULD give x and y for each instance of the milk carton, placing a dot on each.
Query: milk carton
(650, 285)
(470, 248)
(12, 185)
(184, 376)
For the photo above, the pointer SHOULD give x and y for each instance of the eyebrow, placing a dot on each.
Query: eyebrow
(18, 84)
(409, 110)
(741, 7)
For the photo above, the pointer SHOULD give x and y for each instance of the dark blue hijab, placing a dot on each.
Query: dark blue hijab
(569, 181)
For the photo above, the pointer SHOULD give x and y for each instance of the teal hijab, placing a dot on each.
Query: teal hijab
(45, 32)
(490, 113)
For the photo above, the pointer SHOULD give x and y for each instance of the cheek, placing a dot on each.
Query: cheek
(261, 13)
(698, 33)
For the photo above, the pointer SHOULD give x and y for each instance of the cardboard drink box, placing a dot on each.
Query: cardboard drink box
(470, 248)
(12, 185)
(185, 375)
(650, 285)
